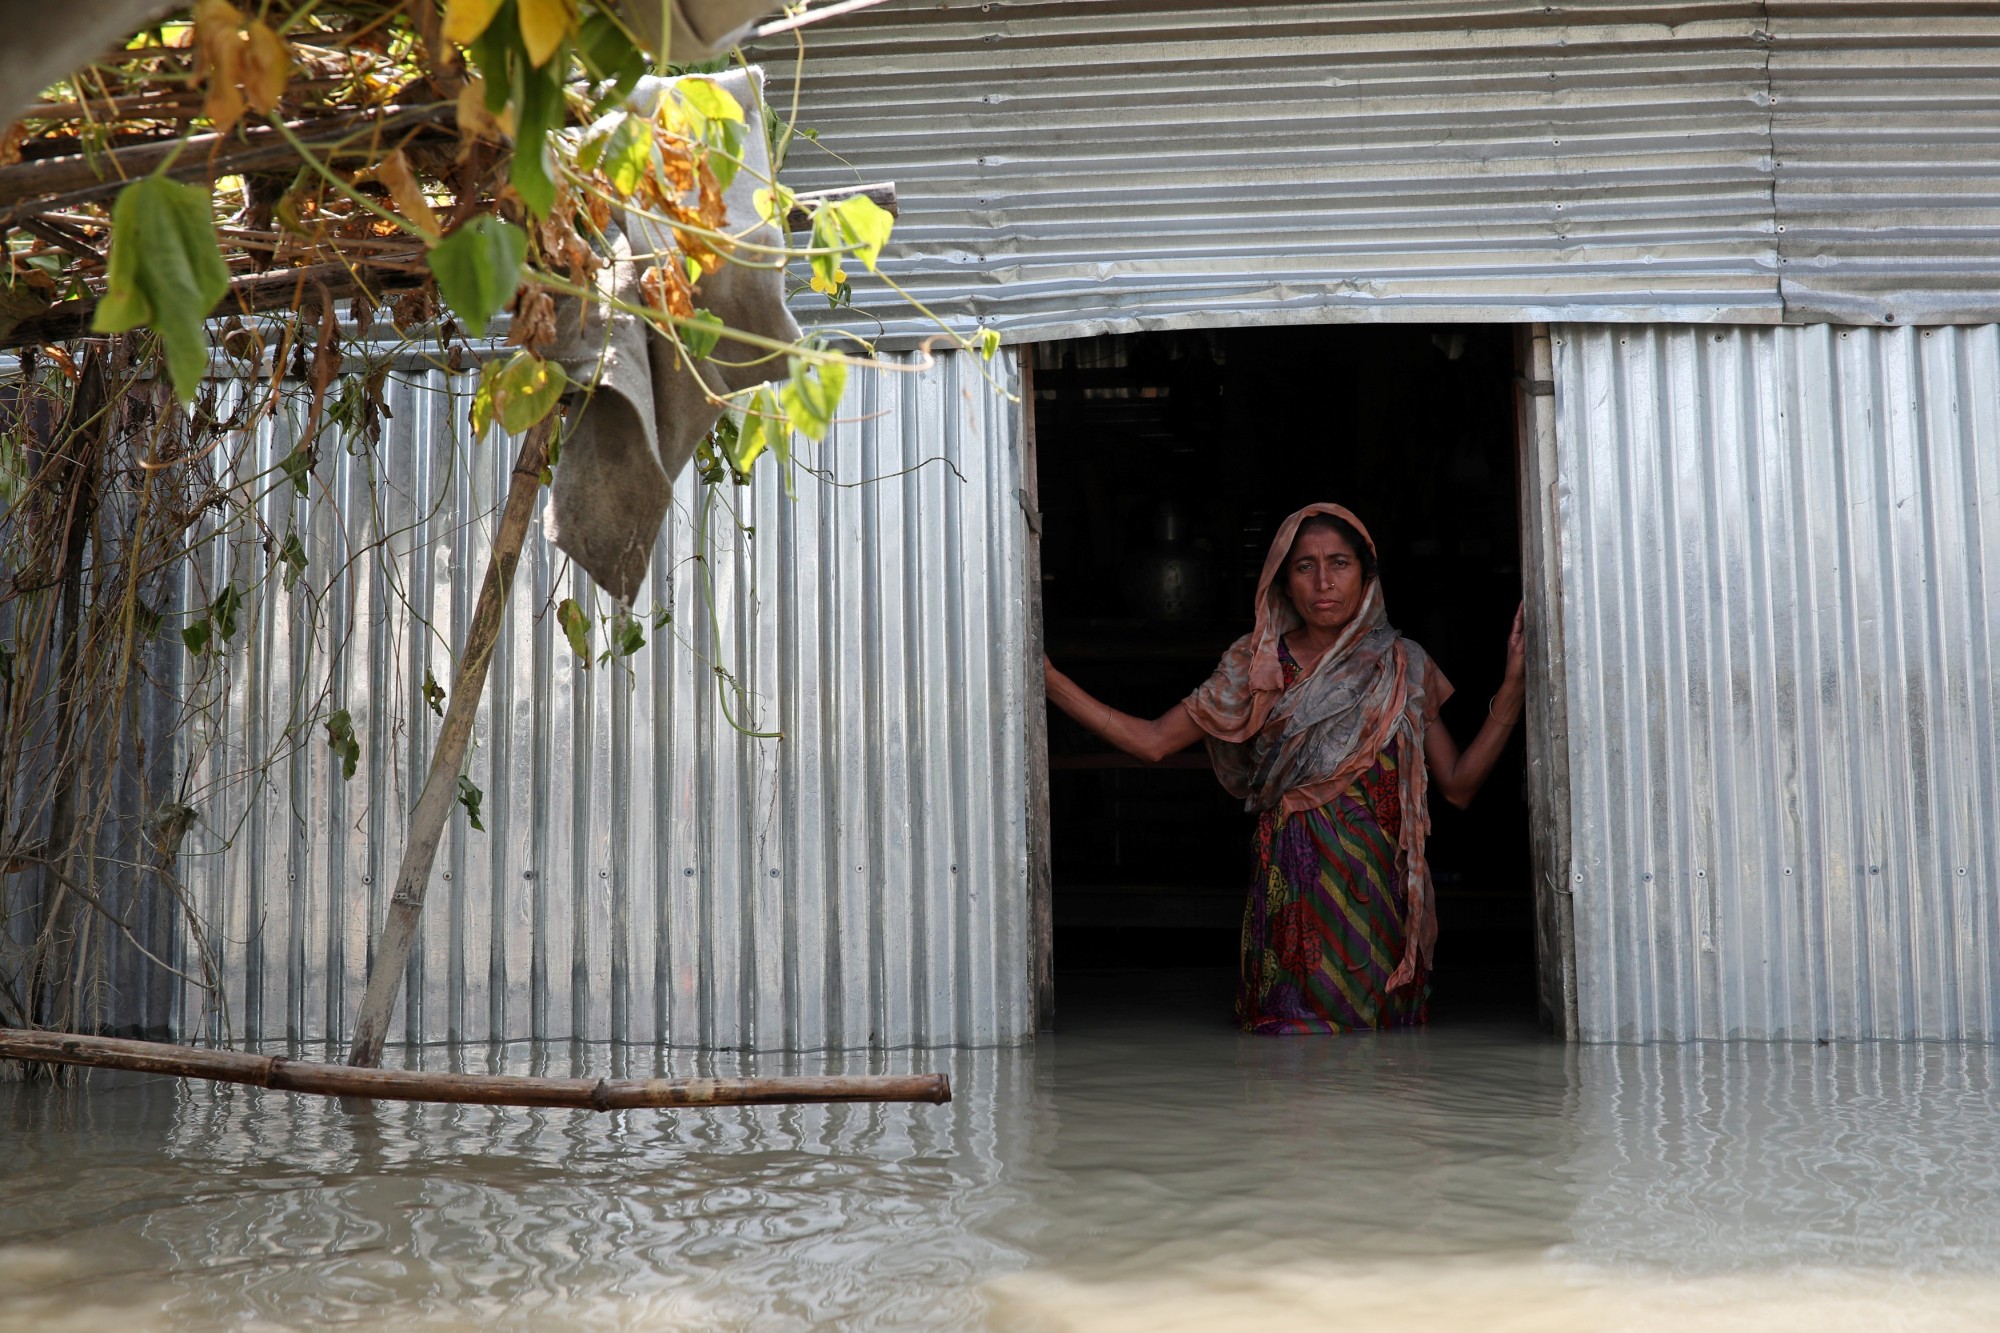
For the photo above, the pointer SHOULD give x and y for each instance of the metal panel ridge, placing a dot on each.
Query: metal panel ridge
(1066, 169)
(1777, 549)
(793, 819)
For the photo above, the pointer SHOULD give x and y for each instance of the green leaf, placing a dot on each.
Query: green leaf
(478, 269)
(811, 396)
(624, 153)
(725, 158)
(490, 53)
(700, 333)
(827, 243)
(989, 343)
(433, 693)
(341, 740)
(863, 224)
(146, 619)
(521, 392)
(553, 457)
(298, 465)
(575, 626)
(470, 796)
(538, 113)
(607, 53)
(628, 636)
(484, 407)
(222, 612)
(165, 271)
(708, 453)
(763, 428)
(293, 557)
(708, 99)
(530, 392)
(774, 204)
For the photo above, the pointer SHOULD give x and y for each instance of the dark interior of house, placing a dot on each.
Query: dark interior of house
(1166, 462)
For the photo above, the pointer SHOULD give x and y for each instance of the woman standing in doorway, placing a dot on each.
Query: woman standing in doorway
(1324, 720)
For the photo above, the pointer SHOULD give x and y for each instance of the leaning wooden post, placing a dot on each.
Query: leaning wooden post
(440, 791)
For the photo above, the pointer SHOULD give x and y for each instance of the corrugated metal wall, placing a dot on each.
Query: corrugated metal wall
(1069, 167)
(649, 872)
(1091, 166)
(1885, 137)
(1778, 550)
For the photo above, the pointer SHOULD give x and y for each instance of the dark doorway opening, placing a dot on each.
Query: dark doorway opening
(1166, 462)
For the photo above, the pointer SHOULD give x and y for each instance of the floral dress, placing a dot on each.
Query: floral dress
(1323, 929)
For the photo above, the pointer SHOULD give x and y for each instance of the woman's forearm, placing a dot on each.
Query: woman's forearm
(1149, 740)
(1464, 779)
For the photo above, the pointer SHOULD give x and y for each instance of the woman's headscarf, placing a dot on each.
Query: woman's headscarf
(1298, 749)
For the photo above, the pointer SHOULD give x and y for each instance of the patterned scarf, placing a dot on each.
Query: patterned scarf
(1298, 749)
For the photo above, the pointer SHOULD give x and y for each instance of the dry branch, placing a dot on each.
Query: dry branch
(800, 218)
(29, 188)
(399, 1085)
(280, 289)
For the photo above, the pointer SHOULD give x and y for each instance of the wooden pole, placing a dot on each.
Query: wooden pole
(399, 1085)
(440, 790)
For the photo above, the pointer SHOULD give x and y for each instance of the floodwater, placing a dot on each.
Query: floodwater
(1143, 1168)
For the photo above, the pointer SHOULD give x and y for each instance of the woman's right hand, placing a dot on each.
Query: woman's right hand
(1517, 645)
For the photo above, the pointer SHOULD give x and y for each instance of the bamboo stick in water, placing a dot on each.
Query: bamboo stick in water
(625, 1094)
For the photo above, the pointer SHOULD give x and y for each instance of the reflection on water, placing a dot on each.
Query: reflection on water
(1143, 1169)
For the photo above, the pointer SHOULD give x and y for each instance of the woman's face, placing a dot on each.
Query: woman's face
(1324, 580)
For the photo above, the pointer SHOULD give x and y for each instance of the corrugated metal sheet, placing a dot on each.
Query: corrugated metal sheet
(649, 871)
(1072, 167)
(1885, 129)
(1068, 167)
(1777, 553)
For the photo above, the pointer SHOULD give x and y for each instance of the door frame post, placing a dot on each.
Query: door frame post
(1547, 703)
(1041, 882)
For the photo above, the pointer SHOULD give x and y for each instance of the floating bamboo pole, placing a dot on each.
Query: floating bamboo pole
(400, 1085)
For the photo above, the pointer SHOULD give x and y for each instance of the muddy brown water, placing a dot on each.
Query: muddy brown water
(1143, 1168)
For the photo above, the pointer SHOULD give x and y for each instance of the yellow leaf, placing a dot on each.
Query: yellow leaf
(544, 24)
(266, 65)
(464, 20)
(218, 40)
(213, 17)
(395, 174)
(223, 105)
(475, 123)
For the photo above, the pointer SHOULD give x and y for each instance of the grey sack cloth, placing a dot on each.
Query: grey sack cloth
(702, 28)
(639, 425)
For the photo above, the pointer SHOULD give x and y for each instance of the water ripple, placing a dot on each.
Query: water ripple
(1128, 1174)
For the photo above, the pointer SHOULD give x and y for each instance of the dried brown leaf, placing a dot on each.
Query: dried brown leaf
(264, 67)
(666, 288)
(396, 177)
(534, 325)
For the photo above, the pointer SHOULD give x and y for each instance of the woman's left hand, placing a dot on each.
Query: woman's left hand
(1517, 645)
